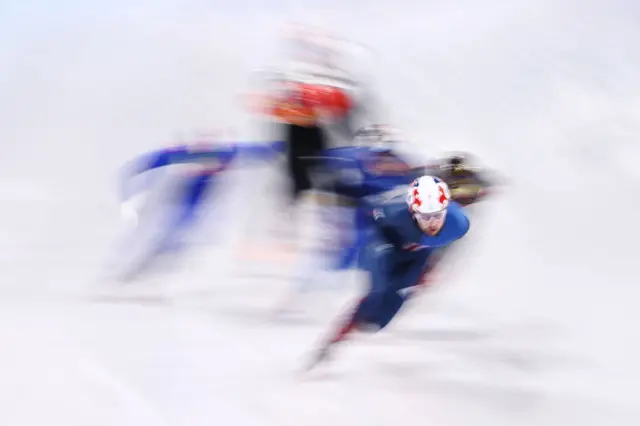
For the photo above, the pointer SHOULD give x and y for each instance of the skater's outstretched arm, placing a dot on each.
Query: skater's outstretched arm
(142, 164)
(222, 157)
(261, 151)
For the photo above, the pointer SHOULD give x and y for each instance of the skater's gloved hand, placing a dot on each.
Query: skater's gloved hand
(129, 209)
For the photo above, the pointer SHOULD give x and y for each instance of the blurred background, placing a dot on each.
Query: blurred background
(536, 324)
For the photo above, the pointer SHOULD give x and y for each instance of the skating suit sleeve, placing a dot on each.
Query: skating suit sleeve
(216, 160)
(169, 156)
(261, 151)
(341, 172)
(142, 164)
(386, 180)
(358, 178)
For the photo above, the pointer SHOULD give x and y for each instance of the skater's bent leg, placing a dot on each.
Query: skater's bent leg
(391, 304)
(378, 263)
(388, 304)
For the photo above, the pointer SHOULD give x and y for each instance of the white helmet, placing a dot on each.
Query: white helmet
(428, 200)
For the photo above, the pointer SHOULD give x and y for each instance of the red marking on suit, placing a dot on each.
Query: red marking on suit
(413, 247)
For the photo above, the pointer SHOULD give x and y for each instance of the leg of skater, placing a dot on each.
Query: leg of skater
(385, 298)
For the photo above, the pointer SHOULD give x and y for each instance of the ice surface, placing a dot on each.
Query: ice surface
(537, 325)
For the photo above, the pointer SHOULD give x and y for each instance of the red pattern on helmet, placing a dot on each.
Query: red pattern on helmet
(443, 196)
(417, 202)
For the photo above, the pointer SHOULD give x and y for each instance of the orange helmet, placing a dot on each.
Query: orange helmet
(335, 99)
(304, 103)
(324, 98)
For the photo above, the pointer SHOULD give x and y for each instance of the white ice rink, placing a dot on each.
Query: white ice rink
(538, 325)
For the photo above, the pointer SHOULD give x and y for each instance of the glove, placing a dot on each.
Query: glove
(129, 209)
